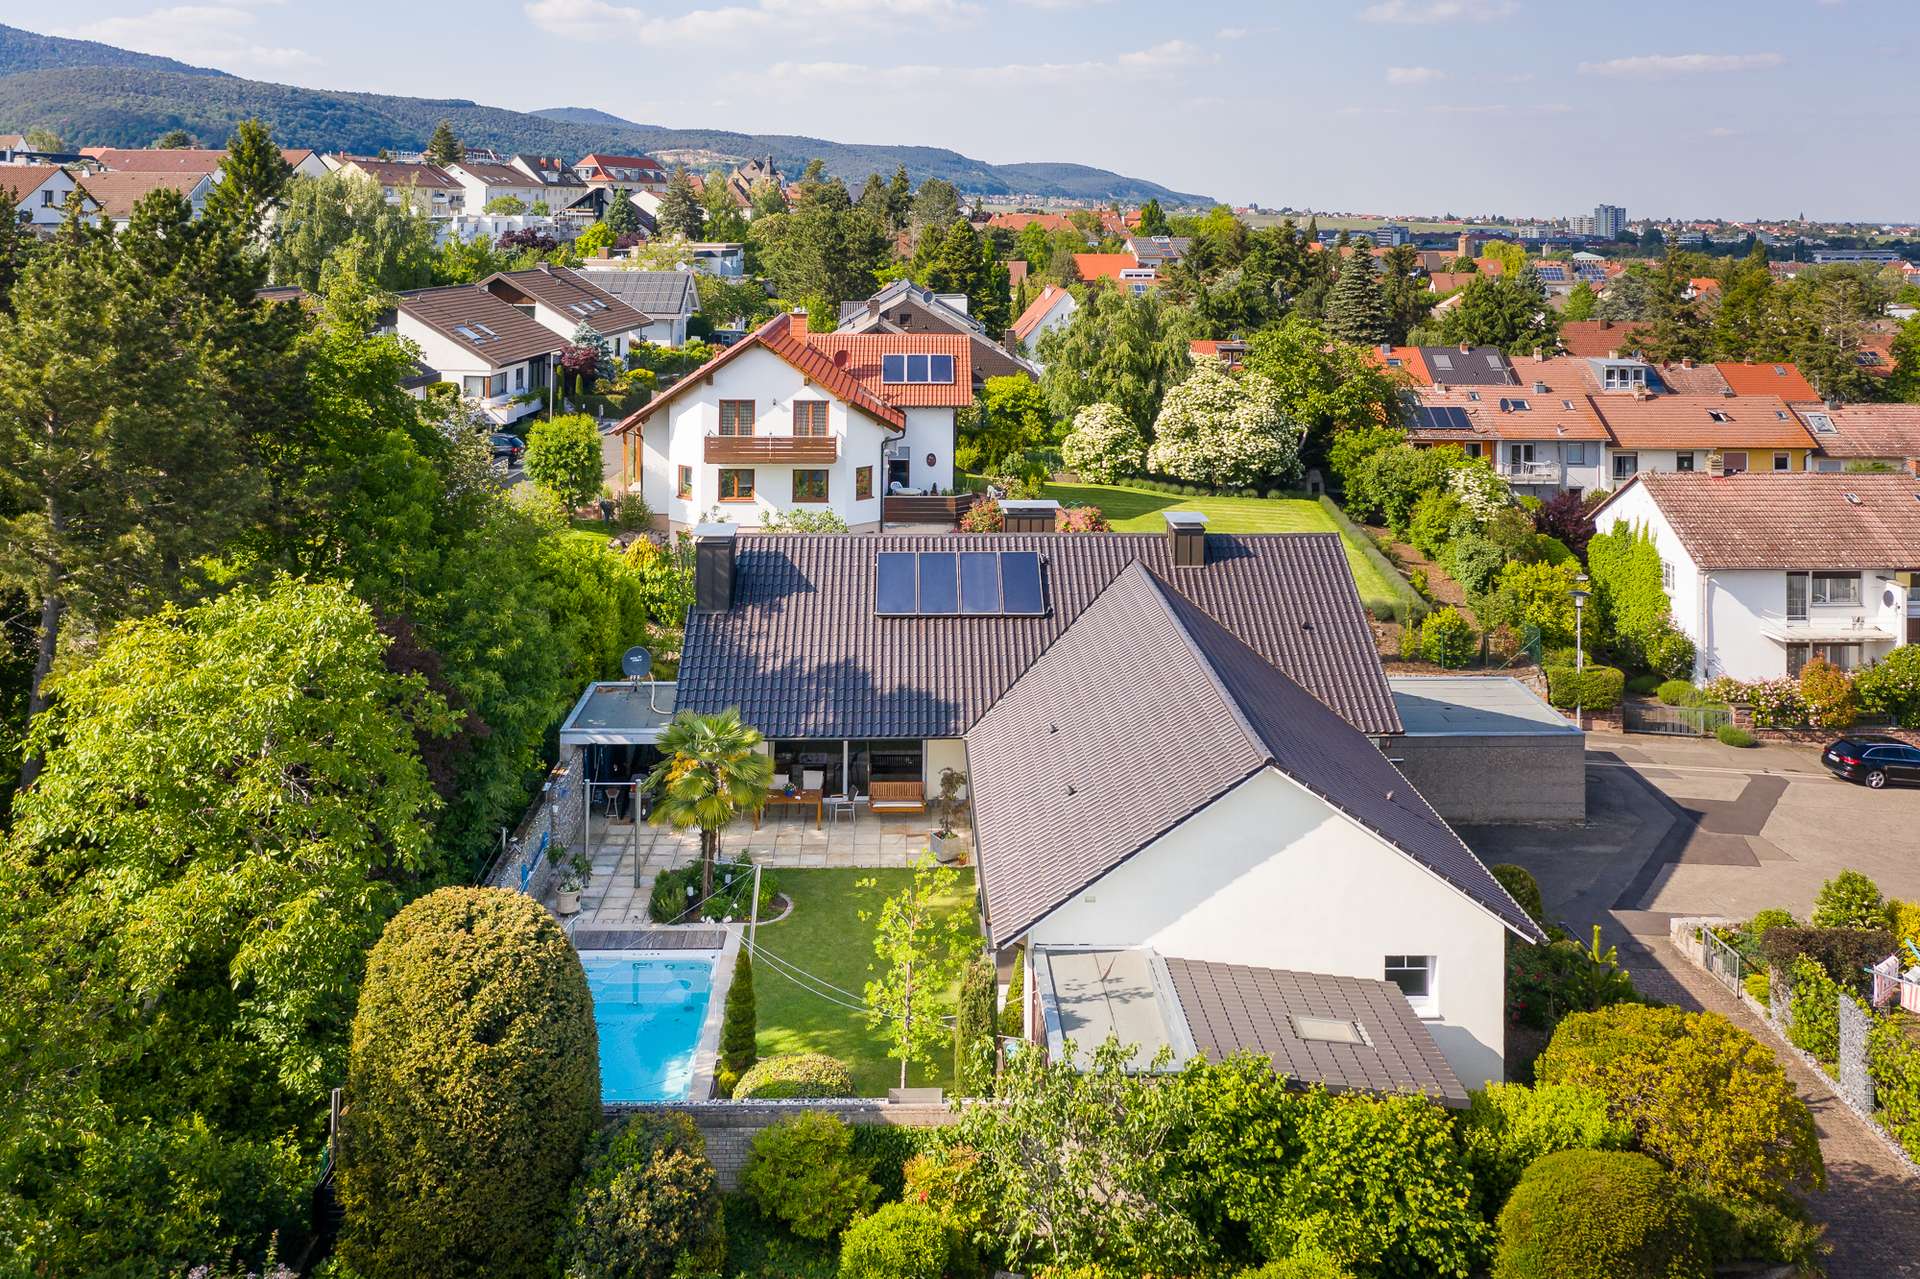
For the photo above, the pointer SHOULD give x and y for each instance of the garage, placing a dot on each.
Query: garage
(1487, 750)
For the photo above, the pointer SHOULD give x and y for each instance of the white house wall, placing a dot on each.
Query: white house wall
(930, 433)
(678, 436)
(1271, 876)
(455, 364)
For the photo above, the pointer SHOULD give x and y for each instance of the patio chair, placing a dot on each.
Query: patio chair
(813, 779)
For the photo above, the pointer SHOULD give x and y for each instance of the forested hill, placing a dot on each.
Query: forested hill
(95, 95)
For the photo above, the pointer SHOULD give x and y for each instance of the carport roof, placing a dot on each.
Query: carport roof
(619, 713)
(1474, 706)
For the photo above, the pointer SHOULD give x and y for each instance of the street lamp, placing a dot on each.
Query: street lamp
(1579, 649)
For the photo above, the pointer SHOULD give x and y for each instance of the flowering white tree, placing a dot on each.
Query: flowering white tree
(1224, 431)
(1482, 492)
(1103, 445)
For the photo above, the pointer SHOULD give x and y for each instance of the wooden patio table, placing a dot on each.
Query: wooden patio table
(799, 799)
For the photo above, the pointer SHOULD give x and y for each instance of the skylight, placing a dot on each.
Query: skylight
(1821, 423)
(1329, 1030)
(911, 369)
(958, 584)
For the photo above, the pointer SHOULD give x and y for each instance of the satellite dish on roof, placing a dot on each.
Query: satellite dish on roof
(637, 662)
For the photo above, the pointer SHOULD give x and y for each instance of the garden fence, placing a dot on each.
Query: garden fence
(1722, 961)
(1675, 721)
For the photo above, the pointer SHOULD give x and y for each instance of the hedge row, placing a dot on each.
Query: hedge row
(1597, 688)
(1893, 1063)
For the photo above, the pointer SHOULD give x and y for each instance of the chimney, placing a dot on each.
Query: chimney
(1187, 538)
(797, 322)
(1614, 354)
(1686, 361)
(1716, 463)
(713, 567)
(1466, 348)
(1037, 516)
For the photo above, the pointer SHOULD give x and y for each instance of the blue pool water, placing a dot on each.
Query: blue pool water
(649, 1013)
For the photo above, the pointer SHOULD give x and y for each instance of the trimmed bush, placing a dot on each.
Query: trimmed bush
(1843, 952)
(1508, 1126)
(1849, 900)
(1765, 921)
(1597, 688)
(803, 1171)
(1598, 1214)
(1678, 692)
(1305, 1265)
(473, 1083)
(1668, 652)
(1701, 1095)
(973, 1029)
(885, 1149)
(1731, 736)
(1522, 887)
(1447, 639)
(739, 1027)
(1893, 1063)
(1744, 1230)
(647, 1205)
(792, 1075)
(898, 1241)
(1827, 693)
(1816, 1013)
(1645, 685)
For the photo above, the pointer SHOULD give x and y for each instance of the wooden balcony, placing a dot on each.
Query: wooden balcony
(772, 450)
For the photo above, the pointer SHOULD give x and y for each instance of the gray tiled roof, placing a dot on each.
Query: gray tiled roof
(802, 654)
(518, 336)
(1233, 1008)
(657, 293)
(1480, 366)
(564, 291)
(1144, 712)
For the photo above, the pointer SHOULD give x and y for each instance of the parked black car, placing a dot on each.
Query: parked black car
(1872, 760)
(510, 447)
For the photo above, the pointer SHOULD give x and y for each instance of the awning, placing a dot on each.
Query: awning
(1824, 633)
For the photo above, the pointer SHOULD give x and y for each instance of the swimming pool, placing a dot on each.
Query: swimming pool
(649, 1011)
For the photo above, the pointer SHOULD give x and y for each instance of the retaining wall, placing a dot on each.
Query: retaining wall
(730, 1126)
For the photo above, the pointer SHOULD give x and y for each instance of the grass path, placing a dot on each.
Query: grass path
(825, 936)
(1134, 510)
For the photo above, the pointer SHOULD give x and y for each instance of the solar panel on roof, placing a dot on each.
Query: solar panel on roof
(894, 584)
(939, 583)
(969, 583)
(979, 582)
(1020, 583)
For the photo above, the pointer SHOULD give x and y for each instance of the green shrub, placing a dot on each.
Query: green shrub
(1701, 1095)
(898, 1241)
(1776, 703)
(739, 1027)
(761, 1248)
(1598, 1214)
(473, 1083)
(1731, 736)
(1446, 639)
(1849, 900)
(675, 892)
(1432, 521)
(1668, 652)
(1678, 692)
(802, 1171)
(1816, 1014)
(1745, 1230)
(792, 1075)
(1546, 982)
(1522, 887)
(951, 1179)
(1843, 952)
(973, 1029)
(1760, 986)
(1904, 919)
(1891, 686)
(1827, 693)
(1508, 1126)
(1474, 561)
(1597, 688)
(1012, 1009)
(1765, 921)
(1303, 1265)
(1644, 685)
(884, 1149)
(647, 1205)
(1893, 1063)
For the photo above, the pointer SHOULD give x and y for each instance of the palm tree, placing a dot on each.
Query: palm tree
(711, 771)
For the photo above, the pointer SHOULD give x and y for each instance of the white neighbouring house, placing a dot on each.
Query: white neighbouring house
(1053, 309)
(788, 420)
(500, 357)
(669, 299)
(485, 183)
(40, 193)
(562, 300)
(1181, 806)
(1767, 570)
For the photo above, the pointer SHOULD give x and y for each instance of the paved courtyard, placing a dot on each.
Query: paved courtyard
(1683, 827)
(627, 858)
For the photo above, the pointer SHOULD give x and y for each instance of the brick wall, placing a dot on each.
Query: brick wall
(730, 1126)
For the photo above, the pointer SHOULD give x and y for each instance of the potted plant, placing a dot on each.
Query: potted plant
(947, 846)
(574, 870)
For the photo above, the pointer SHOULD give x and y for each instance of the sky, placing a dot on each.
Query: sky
(1695, 108)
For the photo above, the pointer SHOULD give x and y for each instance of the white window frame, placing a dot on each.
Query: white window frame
(1628, 471)
(1428, 1004)
(1824, 598)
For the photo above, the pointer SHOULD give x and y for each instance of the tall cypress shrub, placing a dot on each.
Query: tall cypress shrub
(973, 1029)
(739, 1028)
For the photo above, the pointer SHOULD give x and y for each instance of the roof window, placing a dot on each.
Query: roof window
(1330, 1030)
(1718, 415)
(1821, 423)
(916, 369)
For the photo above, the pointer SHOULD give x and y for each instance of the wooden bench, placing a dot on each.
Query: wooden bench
(898, 797)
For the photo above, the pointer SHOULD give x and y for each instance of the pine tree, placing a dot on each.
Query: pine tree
(1407, 297)
(899, 200)
(739, 1043)
(1357, 309)
(622, 217)
(443, 148)
(680, 212)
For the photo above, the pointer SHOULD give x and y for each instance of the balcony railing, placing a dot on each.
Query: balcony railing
(1532, 472)
(797, 450)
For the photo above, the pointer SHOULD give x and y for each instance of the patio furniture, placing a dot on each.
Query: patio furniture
(898, 797)
(839, 806)
(799, 799)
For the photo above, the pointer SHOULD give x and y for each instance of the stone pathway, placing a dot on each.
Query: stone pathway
(1871, 1206)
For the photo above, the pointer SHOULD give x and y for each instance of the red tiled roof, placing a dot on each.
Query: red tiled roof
(1016, 272)
(859, 354)
(1867, 430)
(1704, 284)
(1037, 310)
(1448, 281)
(1787, 519)
(1021, 221)
(1107, 266)
(1546, 416)
(1687, 422)
(1406, 359)
(1696, 379)
(1597, 339)
(776, 336)
(24, 179)
(400, 173)
(117, 193)
(1783, 380)
(175, 159)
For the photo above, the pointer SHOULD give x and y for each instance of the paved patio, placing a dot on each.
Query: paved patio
(628, 858)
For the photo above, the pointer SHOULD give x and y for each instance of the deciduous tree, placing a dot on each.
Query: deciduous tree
(921, 947)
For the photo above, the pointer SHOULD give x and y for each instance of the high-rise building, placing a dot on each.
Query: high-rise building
(1609, 220)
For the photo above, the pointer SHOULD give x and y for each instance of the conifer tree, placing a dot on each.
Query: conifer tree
(739, 1045)
(1357, 309)
(443, 148)
(680, 211)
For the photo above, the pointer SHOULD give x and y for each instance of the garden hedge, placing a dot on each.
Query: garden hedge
(1507, 1127)
(1815, 1026)
(647, 1205)
(803, 1171)
(792, 1075)
(1844, 952)
(1893, 1063)
(473, 1083)
(1597, 688)
(1598, 1214)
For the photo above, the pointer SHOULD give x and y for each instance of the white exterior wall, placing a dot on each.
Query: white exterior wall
(1549, 467)
(1271, 876)
(45, 211)
(1057, 316)
(930, 431)
(1667, 460)
(455, 364)
(480, 193)
(677, 438)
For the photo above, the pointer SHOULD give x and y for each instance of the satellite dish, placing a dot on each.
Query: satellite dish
(637, 662)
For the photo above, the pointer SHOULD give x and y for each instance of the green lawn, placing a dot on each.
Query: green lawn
(1135, 510)
(825, 936)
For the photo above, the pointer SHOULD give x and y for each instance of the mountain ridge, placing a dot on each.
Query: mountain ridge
(93, 94)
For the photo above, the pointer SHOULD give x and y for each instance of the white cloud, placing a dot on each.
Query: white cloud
(1470, 109)
(218, 35)
(1425, 12)
(1230, 33)
(597, 19)
(1722, 131)
(1156, 61)
(1414, 75)
(1672, 64)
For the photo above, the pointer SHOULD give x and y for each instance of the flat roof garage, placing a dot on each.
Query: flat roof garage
(1488, 750)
